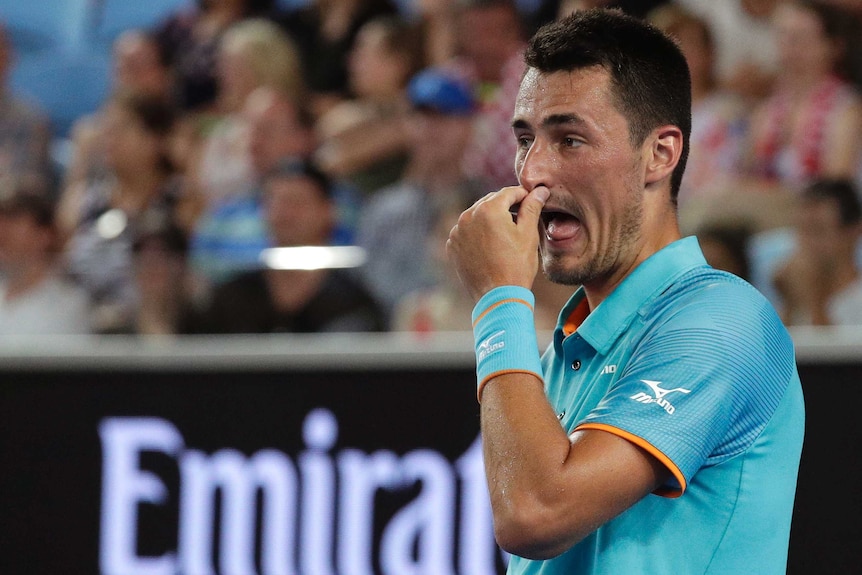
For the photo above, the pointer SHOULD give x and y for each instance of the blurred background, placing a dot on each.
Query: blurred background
(219, 205)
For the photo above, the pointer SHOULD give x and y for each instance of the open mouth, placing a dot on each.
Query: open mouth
(560, 226)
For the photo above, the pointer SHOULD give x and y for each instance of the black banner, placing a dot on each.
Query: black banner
(311, 471)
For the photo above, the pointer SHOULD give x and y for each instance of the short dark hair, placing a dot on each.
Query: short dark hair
(735, 237)
(840, 190)
(301, 168)
(161, 228)
(649, 74)
(22, 201)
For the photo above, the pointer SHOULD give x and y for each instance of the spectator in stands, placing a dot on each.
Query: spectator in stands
(191, 39)
(853, 9)
(746, 57)
(490, 45)
(324, 31)
(253, 53)
(725, 247)
(139, 66)
(363, 140)
(821, 282)
(99, 217)
(436, 20)
(555, 9)
(35, 299)
(718, 116)
(395, 223)
(299, 212)
(446, 306)
(228, 237)
(25, 132)
(165, 304)
(811, 124)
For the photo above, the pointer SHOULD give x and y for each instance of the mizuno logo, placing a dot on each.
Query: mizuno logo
(491, 344)
(659, 395)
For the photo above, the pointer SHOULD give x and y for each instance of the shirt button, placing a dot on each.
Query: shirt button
(576, 365)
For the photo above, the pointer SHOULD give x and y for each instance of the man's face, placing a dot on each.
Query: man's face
(22, 241)
(439, 139)
(573, 140)
(821, 234)
(137, 66)
(802, 42)
(486, 37)
(275, 132)
(297, 211)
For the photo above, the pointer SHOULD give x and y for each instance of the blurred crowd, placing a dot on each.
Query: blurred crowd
(237, 129)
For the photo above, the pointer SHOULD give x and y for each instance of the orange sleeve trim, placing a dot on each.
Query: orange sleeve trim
(499, 303)
(484, 382)
(649, 448)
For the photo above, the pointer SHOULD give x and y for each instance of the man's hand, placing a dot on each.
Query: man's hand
(488, 249)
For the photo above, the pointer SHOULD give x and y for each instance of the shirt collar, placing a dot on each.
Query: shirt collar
(612, 317)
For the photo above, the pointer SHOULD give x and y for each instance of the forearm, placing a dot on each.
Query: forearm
(358, 148)
(525, 445)
(525, 449)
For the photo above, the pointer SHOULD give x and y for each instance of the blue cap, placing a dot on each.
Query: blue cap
(441, 92)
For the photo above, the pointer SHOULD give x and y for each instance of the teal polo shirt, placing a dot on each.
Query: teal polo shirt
(693, 365)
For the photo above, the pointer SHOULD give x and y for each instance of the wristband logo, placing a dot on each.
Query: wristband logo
(492, 344)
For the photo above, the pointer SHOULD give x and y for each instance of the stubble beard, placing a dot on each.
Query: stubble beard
(604, 263)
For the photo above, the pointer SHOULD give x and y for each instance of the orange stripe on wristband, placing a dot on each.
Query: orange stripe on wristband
(498, 304)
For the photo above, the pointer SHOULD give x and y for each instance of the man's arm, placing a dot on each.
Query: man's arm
(547, 491)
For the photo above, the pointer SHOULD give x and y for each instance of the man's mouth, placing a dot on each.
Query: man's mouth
(560, 226)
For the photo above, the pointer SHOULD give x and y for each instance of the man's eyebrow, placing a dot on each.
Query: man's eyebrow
(562, 119)
(551, 121)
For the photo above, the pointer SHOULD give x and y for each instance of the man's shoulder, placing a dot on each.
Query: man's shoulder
(734, 313)
(707, 286)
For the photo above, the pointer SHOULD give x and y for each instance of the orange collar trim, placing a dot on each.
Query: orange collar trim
(576, 318)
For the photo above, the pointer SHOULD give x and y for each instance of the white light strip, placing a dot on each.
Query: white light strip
(313, 257)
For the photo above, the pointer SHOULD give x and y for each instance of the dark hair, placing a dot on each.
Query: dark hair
(840, 190)
(296, 168)
(156, 114)
(402, 38)
(649, 75)
(161, 227)
(735, 238)
(22, 201)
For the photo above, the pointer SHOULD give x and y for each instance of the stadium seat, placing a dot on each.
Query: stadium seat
(111, 17)
(45, 25)
(66, 85)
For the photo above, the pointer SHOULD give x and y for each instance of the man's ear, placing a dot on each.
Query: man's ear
(663, 154)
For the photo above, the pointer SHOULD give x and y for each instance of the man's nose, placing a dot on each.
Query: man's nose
(534, 169)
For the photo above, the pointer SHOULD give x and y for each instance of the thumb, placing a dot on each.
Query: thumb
(531, 206)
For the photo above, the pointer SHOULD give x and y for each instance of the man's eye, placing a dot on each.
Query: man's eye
(524, 141)
(570, 142)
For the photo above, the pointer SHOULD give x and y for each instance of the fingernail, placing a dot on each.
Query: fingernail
(542, 193)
